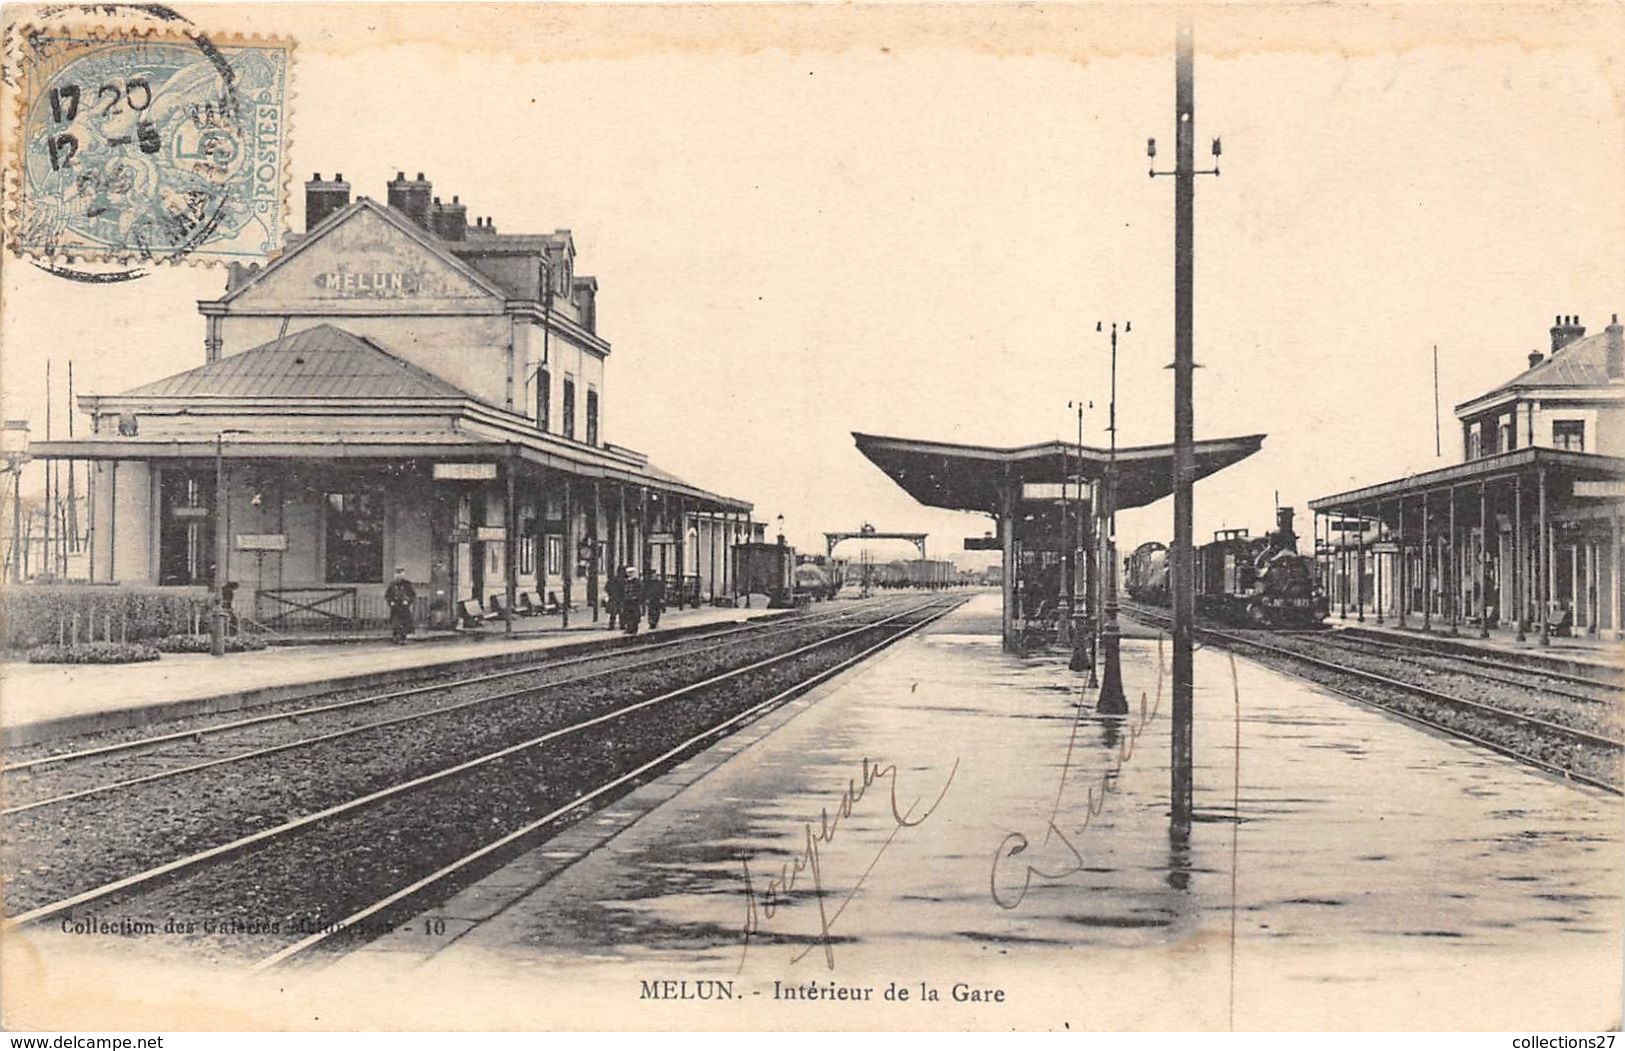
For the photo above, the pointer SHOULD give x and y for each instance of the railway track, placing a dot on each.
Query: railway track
(325, 874)
(114, 742)
(200, 744)
(1588, 755)
(1520, 672)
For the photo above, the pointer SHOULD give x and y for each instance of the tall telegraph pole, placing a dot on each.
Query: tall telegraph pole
(1184, 420)
(1182, 562)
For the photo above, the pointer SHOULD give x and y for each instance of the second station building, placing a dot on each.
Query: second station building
(1523, 535)
(401, 387)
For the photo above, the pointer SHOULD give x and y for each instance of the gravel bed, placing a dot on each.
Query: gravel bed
(1530, 672)
(61, 849)
(1598, 762)
(1466, 683)
(78, 742)
(263, 900)
(50, 781)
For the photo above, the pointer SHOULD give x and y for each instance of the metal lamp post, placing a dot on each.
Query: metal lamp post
(14, 448)
(1112, 701)
(1083, 653)
(217, 614)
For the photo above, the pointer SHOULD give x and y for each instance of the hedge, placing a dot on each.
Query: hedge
(35, 614)
(203, 644)
(93, 653)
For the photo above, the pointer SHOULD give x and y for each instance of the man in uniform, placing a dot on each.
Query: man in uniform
(654, 595)
(631, 601)
(615, 589)
(400, 595)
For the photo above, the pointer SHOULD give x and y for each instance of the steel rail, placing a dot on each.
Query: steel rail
(1420, 658)
(233, 847)
(1506, 715)
(530, 829)
(256, 753)
(1488, 662)
(395, 695)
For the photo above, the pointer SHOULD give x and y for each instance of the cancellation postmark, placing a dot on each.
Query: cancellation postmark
(146, 144)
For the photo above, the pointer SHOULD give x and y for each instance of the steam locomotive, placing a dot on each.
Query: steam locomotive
(1240, 579)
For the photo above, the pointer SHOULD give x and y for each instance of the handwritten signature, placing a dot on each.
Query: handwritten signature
(809, 860)
(1016, 843)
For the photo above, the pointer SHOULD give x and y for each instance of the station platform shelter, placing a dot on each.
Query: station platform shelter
(1048, 501)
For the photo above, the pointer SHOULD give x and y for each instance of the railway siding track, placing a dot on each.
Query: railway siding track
(309, 872)
(203, 744)
(1587, 754)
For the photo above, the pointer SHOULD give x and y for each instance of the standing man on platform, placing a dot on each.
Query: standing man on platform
(615, 589)
(654, 595)
(400, 595)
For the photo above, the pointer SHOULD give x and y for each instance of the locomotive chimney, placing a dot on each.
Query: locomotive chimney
(1287, 536)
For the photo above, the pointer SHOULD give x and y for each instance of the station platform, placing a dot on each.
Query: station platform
(948, 819)
(39, 702)
(1585, 651)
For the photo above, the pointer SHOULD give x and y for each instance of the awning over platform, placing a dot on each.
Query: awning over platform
(971, 477)
(1564, 466)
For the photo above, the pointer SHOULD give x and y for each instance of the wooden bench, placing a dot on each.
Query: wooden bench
(470, 614)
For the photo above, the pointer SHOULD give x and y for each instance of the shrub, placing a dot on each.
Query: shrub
(189, 643)
(93, 653)
(33, 614)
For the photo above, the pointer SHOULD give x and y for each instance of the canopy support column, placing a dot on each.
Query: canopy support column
(1545, 587)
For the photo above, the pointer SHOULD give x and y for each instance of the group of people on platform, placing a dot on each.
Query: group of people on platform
(631, 597)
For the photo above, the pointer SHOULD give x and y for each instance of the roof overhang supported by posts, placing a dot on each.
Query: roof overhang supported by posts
(1003, 481)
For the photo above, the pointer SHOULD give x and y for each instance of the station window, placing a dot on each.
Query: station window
(527, 554)
(544, 390)
(555, 554)
(592, 416)
(1569, 434)
(355, 536)
(569, 407)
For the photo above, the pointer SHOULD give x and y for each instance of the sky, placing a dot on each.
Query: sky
(808, 222)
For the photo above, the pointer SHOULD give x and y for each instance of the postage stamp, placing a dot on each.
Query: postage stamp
(147, 145)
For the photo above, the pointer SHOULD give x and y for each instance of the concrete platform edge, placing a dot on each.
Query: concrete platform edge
(128, 718)
(495, 893)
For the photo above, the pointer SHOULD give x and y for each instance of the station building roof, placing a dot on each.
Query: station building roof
(971, 477)
(1580, 364)
(318, 362)
(325, 394)
(1566, 467)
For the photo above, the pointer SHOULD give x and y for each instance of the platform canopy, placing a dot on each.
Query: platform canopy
(971, 477)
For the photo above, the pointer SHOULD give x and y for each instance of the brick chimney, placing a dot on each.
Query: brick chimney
(483, 226)
(1535, 358)
(1566, 331)
(449, 222)
(323, 198)
(586, 293)
(1616, 349)
(411, 197)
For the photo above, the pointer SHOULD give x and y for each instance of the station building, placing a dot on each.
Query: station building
(1524, 533)
(399, 387)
